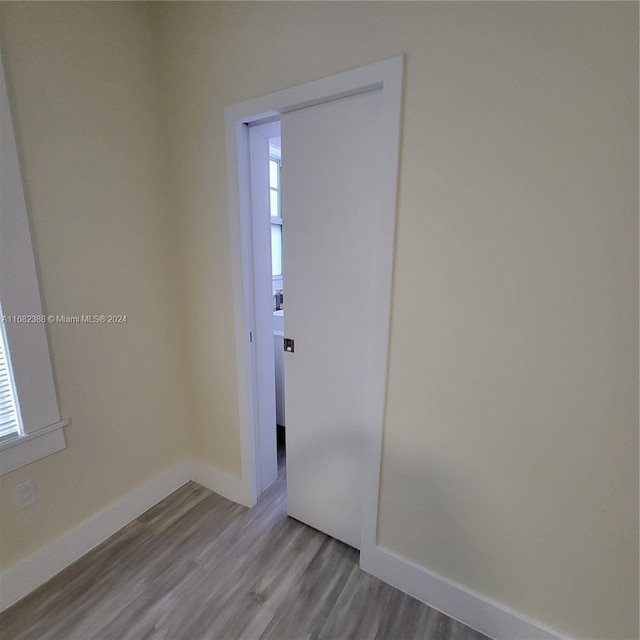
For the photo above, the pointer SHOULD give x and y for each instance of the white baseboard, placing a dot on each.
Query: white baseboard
(467, 606)
(19, 580)
(227, 486)
(36, 569)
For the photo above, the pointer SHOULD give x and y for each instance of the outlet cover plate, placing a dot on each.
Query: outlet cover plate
(24, 494)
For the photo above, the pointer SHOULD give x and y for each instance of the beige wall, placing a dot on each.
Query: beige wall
(511, 438)
(85, 91)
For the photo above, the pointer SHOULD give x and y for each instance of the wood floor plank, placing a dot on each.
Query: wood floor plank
(199, 567)
(358, 610)
(314, 595)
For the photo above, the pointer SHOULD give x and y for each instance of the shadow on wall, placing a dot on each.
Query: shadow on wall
(448, 498)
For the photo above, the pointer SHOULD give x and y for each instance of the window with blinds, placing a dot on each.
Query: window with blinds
(275, 208)
(30, 425)
(9, 416)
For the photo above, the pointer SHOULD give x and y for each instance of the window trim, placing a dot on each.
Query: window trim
(19, 450)
(41, 431)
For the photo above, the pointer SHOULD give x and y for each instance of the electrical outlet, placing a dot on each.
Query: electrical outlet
(24, 494)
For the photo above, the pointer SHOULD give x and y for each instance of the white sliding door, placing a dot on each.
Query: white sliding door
(338, 240)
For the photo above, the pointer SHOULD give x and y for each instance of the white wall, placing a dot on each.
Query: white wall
(84, 86)
(511, 438)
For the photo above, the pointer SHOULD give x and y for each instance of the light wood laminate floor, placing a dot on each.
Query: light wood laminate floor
(197, 566)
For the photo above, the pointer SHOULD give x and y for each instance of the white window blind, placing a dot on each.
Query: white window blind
(9, 417)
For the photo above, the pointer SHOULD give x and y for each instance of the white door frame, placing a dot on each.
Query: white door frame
(387, 76)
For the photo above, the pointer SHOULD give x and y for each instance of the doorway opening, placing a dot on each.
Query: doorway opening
(265, 155)
(277, 281)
